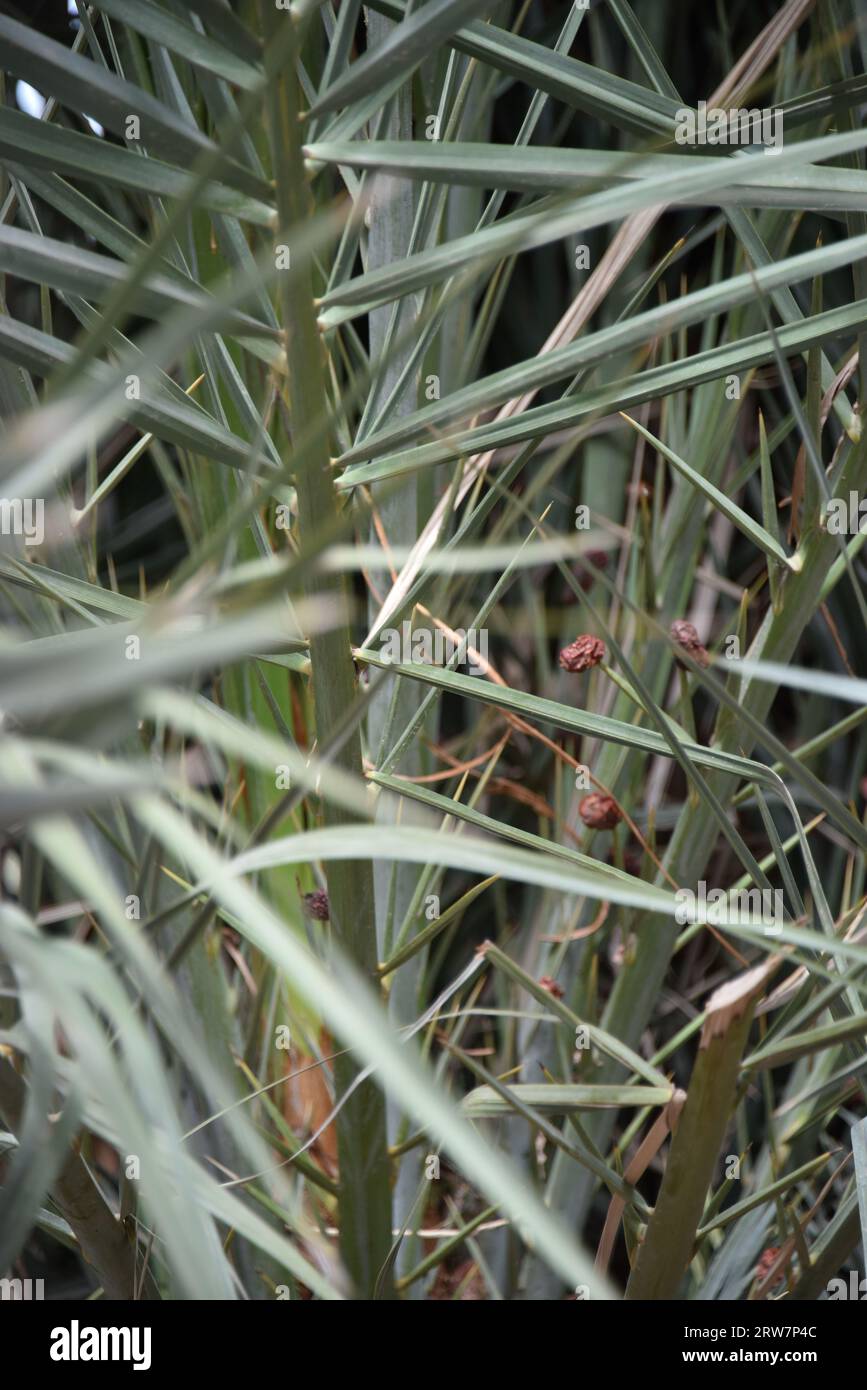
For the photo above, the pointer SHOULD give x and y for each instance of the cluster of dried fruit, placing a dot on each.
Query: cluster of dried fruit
(598, 811)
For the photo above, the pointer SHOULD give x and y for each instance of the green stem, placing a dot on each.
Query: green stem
(392, 219)
(671, 1233)
(364, 1194)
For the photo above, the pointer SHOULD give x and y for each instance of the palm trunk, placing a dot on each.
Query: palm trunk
(364, 1198)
